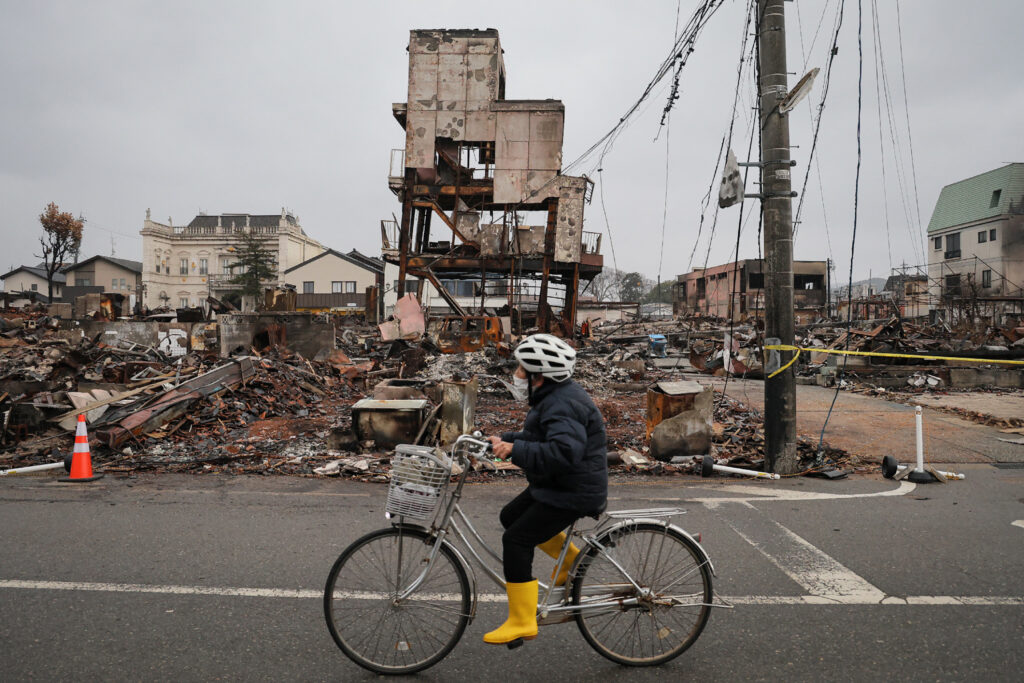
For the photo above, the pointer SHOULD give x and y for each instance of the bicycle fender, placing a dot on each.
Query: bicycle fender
(664, 523)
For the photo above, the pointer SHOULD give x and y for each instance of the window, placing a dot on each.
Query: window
(336, 287)
(35, 287)
(124, 284)
(994, 202)
(204, 266)
(410, 286)
(225, 265)
(992, 235)
(307, 287)
(938, 243)
(113, 285)
(953, 285)
(808, 281)
(350, 286)
(983, 237)
(183, 267)
(460, 287)
(183, 302)
(158, 264)
(84, 281)
(953, 245)
(701, 288)
(757, 280)
(986, 278)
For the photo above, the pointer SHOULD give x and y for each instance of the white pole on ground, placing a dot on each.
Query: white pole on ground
(747, 473)
(920, 440)
(32, 468)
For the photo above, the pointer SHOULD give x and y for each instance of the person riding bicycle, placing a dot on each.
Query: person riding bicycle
(562, 450)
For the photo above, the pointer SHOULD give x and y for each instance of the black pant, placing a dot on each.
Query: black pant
(528, 523)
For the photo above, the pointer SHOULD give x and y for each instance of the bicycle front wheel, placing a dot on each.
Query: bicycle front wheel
(376, 628)
(664, 617)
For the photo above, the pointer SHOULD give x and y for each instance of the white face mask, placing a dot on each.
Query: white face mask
(520, 388)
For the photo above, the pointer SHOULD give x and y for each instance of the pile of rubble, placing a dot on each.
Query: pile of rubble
(272, 411)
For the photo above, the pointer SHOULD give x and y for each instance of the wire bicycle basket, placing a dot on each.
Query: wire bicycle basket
(419, 478)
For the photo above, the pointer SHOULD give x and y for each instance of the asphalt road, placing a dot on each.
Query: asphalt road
(139, 578)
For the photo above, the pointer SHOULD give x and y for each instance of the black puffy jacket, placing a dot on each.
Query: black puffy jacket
(563, 448)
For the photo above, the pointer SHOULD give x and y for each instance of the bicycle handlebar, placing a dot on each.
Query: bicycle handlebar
(476, 439)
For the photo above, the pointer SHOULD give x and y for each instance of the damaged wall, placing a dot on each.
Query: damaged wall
(174, 339)
(299, 332)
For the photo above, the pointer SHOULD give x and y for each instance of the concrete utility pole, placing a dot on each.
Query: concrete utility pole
(777, 205)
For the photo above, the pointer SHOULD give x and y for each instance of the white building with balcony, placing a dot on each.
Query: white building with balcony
(183, 264)
(976, 246)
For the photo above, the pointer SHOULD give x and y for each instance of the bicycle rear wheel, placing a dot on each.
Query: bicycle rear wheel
(372, 626)
(658, 622)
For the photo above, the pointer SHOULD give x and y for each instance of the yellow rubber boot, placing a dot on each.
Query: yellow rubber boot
(552, 547)
(522, 615)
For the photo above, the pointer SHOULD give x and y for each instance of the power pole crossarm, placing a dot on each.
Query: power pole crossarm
(777, 207)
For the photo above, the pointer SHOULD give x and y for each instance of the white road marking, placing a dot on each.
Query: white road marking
(1019, 522)
(767, 494)
(819, 574)
(753, 600)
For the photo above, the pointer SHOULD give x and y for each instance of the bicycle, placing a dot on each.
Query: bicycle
(398, 599)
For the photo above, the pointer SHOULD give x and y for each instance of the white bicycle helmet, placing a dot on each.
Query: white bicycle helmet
(546, 355)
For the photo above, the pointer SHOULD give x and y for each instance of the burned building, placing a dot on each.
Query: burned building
(736, 290)
(477, 169)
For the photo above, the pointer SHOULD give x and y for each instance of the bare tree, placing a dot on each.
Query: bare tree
(62, 237)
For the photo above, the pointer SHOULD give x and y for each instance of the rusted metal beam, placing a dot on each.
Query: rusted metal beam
(569, 309)
(543, 319)
(452, 190)
(403, 233)
(431, 204)
(429, 275)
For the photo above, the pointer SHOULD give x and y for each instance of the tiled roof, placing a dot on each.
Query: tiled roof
(58, 278)
(994, 193)
(134, 266)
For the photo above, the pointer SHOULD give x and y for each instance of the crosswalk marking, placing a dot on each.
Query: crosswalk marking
(821, 575)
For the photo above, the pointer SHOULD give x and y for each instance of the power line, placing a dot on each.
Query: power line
(906, 110)
(726, 140)
(881, 147)
(856, 195)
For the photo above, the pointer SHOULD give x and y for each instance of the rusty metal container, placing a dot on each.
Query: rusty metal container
(388, 422)
(668, 399)
(458, 409)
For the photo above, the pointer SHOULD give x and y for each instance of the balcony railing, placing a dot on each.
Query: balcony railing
(201, 231)
(952, 253)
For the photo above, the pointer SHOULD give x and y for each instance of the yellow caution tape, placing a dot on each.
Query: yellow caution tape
(879, 354)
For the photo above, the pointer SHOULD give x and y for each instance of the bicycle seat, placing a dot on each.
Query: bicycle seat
(596, 515)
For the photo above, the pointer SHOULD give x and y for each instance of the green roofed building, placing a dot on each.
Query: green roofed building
(976, 247)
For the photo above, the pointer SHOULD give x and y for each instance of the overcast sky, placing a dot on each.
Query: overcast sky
(108, 108)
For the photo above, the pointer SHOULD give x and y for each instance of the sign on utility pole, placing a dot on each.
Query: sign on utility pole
(777, 206)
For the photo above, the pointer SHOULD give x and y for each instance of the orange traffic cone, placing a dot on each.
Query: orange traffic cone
(81, 459)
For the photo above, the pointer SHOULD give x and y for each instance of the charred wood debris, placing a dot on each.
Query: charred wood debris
(272, 411)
